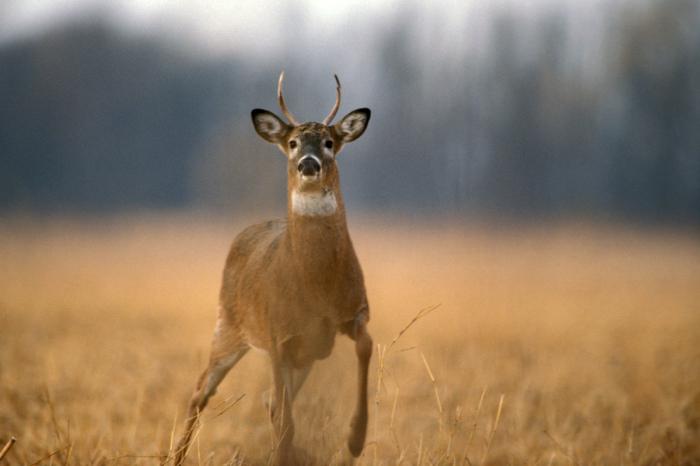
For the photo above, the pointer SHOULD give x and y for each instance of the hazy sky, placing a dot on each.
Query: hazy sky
(257, 26)
(219, 24)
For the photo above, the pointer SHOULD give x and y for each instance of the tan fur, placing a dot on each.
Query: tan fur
(289, 286)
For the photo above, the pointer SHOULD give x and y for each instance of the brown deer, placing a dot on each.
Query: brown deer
(289, 286)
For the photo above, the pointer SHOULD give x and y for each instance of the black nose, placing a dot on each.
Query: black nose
(309, 166)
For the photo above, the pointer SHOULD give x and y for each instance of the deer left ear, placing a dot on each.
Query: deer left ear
(353, 124)
(269, 126)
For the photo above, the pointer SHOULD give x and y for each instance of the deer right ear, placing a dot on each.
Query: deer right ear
(353, 124)
(269, 126)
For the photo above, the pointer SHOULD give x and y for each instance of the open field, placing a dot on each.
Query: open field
(561, 345)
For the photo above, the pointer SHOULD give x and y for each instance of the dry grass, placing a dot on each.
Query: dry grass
(552, 346)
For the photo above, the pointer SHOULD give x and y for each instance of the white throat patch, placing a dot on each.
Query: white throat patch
(314, 204)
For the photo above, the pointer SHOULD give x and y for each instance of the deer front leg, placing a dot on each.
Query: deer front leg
(363, 349)
(293, 378)
(282, 422)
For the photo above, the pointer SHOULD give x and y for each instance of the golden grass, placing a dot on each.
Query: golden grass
(551, 346)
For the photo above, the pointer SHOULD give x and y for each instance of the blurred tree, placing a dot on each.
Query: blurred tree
(656, 151)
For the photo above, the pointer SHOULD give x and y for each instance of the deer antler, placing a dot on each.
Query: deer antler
(336, 106)
(283, 106)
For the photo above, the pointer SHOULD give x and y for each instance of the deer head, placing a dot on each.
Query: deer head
(310, 148)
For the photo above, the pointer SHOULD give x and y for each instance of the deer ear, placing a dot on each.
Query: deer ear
(353, 124)
(269, 126)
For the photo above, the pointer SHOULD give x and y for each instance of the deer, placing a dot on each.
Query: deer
(290, 286)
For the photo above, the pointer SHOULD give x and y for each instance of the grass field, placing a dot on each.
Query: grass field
(554, 345)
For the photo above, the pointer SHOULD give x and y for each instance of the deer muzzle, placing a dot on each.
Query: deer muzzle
(309, 165)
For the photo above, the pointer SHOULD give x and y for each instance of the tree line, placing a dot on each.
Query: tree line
(527, 123)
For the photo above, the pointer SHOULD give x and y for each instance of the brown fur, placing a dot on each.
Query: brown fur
(289, 286)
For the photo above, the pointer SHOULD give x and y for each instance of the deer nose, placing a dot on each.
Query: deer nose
(309, 165)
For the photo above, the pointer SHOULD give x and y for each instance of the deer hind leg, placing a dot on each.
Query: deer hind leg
(219, 365)
(363, 349)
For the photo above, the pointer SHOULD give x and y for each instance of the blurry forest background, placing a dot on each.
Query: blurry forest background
(523, 110)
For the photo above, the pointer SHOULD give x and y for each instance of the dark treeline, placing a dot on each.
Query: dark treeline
(91, 120)
(528, 122)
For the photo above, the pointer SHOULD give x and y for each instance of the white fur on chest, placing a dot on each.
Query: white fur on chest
(314, 204)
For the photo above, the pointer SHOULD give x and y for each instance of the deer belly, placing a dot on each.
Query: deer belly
(316, 342)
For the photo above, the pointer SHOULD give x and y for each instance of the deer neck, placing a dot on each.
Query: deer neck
(316, 228)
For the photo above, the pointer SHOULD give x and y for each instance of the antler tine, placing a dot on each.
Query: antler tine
(283, 105)
(336, 106)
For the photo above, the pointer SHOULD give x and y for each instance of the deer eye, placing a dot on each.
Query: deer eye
(328, 144)
(292, 144)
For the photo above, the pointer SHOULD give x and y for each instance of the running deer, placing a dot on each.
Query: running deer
(289, 286)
